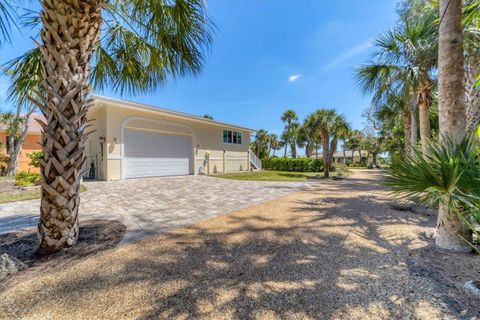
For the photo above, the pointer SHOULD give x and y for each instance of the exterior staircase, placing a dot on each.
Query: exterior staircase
(255, 162)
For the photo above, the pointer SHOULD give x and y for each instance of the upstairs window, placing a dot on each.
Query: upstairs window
(230, 136)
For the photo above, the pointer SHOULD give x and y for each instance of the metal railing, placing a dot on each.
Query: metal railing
(255, 161)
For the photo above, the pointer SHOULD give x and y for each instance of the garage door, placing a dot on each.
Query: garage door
(151, 154)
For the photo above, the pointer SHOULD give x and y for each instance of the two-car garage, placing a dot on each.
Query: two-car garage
(154, 154)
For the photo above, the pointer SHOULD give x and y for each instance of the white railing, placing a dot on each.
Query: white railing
(255, 161)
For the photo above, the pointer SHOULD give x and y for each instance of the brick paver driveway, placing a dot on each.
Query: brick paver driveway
(155, 205)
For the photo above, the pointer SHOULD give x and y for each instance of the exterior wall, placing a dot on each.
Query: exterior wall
(209, 153)
(31, 144)
(95, 148)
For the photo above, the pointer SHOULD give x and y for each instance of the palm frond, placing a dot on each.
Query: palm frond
(26, 77)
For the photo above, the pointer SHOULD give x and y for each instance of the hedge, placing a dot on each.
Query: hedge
(293, 165)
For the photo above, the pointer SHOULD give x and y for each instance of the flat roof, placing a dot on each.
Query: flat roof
(141, 106)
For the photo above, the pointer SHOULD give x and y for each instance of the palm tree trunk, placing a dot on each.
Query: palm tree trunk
(344, 154)
(308, 149)
(407, 131)
(451, 111)
(424, 113)
(472, 94)
(287, 140)
(353, 156)
(333, 148)
(69, 36)
(326, 156)
(413, 123)
(293, 148)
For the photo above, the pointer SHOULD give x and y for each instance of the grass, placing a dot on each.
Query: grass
(25, 195)
(276, 175)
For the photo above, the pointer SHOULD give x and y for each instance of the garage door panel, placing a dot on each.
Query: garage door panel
(150, 154)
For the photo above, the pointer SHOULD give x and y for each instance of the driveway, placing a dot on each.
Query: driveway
(155, 205)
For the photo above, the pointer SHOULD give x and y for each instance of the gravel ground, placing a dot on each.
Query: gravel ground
(337, 251)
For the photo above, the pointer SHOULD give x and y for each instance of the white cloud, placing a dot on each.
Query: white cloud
(348, 54)
(294, 77)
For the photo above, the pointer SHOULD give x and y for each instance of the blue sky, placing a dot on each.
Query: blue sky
(270, 55)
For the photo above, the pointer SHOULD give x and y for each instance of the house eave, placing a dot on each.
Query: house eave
(148, 108)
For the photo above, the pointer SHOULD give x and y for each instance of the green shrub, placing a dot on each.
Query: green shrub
(25, 178)
(293, 165)
(34, 156)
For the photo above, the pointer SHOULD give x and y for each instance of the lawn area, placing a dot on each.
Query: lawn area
(25, 195)
(265, 175)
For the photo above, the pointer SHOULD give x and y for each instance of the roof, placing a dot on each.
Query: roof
(33, 126)
(140, 106)
(348, 153)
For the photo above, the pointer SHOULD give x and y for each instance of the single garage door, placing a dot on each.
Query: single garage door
(152, 154)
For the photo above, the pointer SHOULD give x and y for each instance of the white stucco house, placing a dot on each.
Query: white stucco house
(133, 140)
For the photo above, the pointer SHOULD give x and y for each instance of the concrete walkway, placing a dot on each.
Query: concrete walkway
(155, 205)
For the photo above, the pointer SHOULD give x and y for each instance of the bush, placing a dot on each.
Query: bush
(25, 178)
(34, 156)
(293, 165)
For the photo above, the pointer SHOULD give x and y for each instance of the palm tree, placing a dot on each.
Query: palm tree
(330, 127)
(132, 47)
(272, 143)
(452, 113)
(446, 176)
(405, 59)
(8, 17)
(471, 18)
(293, 138)
(353, 143)
(288, 117)
(308, 136)
(340, 130)
(261, 143)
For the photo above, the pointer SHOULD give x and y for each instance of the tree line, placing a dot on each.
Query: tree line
(321, 131)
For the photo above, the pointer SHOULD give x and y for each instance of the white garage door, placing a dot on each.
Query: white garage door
(150, 154)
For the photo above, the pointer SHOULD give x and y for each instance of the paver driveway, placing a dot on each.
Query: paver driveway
(155, 205)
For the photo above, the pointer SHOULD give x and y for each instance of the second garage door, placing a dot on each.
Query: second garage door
(153, 154)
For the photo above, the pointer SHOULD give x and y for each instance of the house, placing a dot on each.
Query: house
(338, 156)
(31, 144)
(133, 140)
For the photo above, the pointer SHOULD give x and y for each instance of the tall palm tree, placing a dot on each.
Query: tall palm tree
(330, 126)
(452, 113)
(288, 117)
(471, 25)
(132, 47)
(308, 136)
(404, 61)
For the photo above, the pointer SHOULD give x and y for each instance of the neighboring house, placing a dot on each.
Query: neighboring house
(339, 157)
(133, 140)
(31, 144)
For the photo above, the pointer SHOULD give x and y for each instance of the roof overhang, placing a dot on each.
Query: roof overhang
(143, 107)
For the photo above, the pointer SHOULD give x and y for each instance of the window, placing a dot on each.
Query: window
(230, 136)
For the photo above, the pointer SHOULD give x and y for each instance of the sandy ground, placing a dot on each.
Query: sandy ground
(337, 251)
